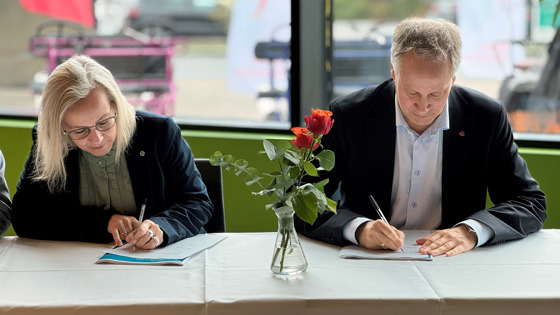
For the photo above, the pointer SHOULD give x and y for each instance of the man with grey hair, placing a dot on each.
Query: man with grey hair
(428, 152)
(5, 204)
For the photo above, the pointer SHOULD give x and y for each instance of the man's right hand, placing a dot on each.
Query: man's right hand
(378, 235)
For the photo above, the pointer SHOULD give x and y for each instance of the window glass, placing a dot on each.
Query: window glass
(205, 62)
(507, 51)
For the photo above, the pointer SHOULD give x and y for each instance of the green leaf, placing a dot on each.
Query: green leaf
(268, 206)
(276, 148)
(310, 169)
(272, 184)
(282, 196)
(226, 162)
(240, 166)
(305, 206)
(264, 192)
(251, 176)
(331, 205)
(293, 157)
(284, 183)
(308, 201)
(275, 205)
(320, 185)
(273, 174)
(326, 159)
(293, 172)
(216, 158)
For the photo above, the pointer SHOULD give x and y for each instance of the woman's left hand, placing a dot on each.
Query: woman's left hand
(147, 236)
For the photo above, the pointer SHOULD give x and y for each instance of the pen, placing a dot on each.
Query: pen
(141, 216)
(142, 210)
(378, 210)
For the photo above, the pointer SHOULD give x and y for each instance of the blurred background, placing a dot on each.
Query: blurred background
(228, 62)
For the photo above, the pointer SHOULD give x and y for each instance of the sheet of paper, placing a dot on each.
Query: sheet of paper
(409, 252)
(178, 250)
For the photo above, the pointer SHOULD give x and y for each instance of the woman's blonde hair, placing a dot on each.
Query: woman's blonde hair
(70, 82)
(436, 40)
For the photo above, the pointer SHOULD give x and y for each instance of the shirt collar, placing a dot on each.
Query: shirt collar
(108, 158)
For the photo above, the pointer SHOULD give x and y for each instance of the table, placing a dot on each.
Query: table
(233, 277)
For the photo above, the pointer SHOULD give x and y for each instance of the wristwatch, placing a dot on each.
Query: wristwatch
(471, 231)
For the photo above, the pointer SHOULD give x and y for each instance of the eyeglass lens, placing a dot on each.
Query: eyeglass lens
(102, 125)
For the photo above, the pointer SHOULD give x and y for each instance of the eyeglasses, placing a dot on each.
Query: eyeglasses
(102, 125)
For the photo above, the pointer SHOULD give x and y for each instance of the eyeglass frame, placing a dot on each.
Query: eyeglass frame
(88, 132)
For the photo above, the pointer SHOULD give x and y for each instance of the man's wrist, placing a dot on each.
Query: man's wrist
(359, 231)
(349, 229)
(471, 231)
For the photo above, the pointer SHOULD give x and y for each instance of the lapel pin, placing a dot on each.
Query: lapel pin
(462, 133)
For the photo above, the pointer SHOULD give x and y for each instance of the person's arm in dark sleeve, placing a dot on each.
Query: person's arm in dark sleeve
(189, 206)
(519, 205)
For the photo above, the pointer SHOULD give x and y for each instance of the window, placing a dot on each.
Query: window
(261, 64)
(204, 62)
(505, 53)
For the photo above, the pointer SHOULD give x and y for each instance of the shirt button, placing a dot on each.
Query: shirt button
(100, 162)
(417, 173)
(413, 204)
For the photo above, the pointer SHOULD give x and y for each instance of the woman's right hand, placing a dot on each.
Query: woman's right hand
(120, 225)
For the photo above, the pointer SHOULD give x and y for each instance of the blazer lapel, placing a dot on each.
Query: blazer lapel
(380, 136)
(139, 170)
(454, 154)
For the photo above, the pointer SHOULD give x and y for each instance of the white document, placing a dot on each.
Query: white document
(175, 254)
(409, 252)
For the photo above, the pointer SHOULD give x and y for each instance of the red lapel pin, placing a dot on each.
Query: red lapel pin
(462, 133)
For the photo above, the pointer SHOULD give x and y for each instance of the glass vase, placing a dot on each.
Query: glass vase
(288, 257)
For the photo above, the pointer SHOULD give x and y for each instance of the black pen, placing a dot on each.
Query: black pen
(379, 213)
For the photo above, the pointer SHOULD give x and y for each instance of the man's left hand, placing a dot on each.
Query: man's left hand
(450, 242)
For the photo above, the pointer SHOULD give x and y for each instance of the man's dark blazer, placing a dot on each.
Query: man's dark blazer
(162, 171)
(479, 156)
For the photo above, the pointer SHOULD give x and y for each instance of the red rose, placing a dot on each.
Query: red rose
(304, 138)
(319, 122)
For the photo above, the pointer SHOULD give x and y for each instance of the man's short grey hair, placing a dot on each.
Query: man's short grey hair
(434, 40)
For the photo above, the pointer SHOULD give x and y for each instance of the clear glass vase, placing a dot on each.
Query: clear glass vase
(288, 257)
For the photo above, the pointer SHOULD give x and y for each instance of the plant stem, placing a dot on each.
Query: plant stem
(306, 156)
(282, 173)
(285, 239)
(285, 231)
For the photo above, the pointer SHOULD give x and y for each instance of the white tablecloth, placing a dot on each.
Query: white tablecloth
(233, 277)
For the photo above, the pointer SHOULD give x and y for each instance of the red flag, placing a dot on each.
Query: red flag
(79, 11)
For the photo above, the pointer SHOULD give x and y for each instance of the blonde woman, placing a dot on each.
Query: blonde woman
(95, 163)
